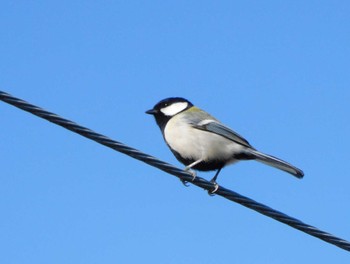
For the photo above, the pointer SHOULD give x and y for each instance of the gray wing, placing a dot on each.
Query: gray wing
(224, 131)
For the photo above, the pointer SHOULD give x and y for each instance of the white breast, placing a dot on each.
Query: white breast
(198, 144)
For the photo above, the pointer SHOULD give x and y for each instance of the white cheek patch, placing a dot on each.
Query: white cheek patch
(173, 109)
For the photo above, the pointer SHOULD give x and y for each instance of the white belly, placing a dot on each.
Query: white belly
(193, 143)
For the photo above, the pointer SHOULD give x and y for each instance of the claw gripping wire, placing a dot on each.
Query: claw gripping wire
(181, 174)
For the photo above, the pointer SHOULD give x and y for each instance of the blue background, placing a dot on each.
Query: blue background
(277, 72)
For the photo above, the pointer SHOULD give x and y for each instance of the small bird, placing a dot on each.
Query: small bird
(201, 142)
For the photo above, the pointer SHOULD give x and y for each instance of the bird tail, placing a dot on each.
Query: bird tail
(275, 162)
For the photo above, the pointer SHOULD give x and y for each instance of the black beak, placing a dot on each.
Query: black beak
(152, 111)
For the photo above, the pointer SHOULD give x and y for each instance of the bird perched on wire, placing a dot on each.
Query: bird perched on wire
(201, 142)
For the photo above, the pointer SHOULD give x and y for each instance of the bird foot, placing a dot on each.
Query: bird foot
(185, 183)
(216, 187)
(192, 172)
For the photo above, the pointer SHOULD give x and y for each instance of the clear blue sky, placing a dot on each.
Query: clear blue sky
(277, 72)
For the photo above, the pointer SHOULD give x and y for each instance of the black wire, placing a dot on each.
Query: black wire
(183, 175)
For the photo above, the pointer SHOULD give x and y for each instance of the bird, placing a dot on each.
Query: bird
(201, 142)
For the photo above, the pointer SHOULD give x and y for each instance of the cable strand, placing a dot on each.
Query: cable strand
(181, 174)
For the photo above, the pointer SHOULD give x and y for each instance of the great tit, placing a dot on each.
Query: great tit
(201, 142)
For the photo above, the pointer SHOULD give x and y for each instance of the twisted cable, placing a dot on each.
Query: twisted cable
(181, 174)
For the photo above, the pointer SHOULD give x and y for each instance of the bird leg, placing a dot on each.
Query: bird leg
(213, 181)
(192, 172)
(189, 168)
